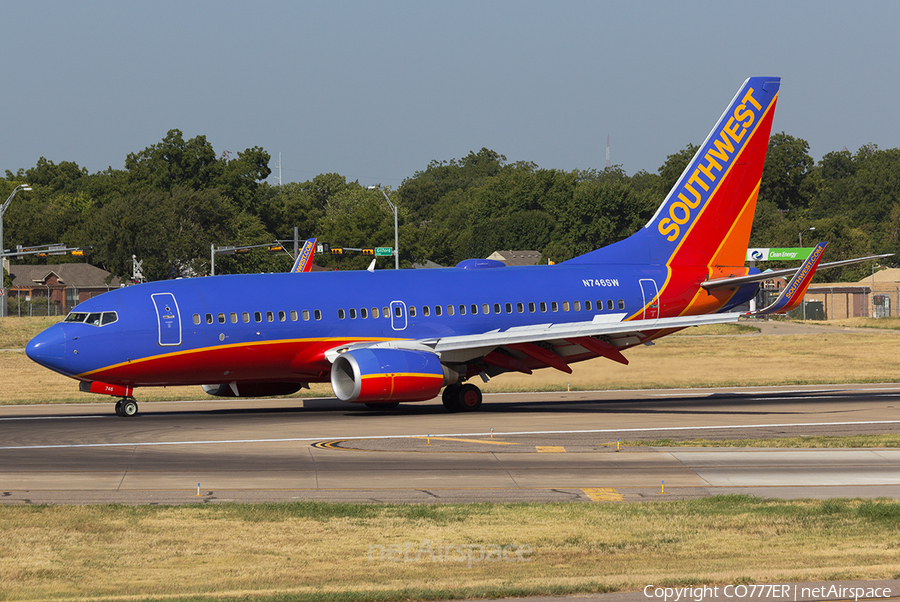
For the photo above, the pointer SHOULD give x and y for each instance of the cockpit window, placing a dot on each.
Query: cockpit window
(94, 319)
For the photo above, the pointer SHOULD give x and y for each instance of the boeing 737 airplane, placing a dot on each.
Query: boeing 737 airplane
(391, 336)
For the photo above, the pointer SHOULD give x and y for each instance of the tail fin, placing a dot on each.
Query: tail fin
(304, 261)
(792, 295)
(706, 218)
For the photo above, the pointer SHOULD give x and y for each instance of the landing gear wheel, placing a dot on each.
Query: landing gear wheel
(469, 398)
(449, 397)
(465, 398)
(390, 405)
(126, 408)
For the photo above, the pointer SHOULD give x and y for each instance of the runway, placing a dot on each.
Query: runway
(519, 447)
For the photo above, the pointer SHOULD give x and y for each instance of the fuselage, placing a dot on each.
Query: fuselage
(276, 327)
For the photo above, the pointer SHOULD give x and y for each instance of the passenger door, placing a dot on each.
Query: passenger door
(168, 318)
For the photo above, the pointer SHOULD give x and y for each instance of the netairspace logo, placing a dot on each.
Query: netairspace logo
(782, 591)
(468, 554)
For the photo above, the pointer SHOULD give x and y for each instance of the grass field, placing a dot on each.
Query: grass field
(315, 551)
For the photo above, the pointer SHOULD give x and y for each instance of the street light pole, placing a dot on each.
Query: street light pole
(810, 229)
(396, 237)
(3, 207)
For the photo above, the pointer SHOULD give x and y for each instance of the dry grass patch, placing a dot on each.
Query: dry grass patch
(853, 357)
(313, 548)
(813, 442)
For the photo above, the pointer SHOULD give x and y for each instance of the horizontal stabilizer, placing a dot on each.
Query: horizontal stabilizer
(720, 283)
(792, 295)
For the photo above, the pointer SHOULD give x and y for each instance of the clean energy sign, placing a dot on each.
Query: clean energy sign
(767, 254)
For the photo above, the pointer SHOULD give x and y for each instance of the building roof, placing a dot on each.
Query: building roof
(81, 275)
(516, 257)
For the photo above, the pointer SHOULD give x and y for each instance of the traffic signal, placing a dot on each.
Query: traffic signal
(78, 252)
(370, 252)
(337, 251)
(275, 248)
(244, 250)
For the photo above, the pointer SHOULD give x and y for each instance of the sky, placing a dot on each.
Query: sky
(375, 91)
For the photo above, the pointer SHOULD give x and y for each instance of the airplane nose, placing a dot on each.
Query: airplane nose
(49, 347)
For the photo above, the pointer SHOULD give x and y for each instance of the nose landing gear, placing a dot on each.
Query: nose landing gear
(126, 407)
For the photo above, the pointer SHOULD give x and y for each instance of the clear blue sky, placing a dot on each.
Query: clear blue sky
(376, 90)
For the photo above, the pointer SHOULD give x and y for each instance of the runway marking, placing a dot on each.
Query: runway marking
(603, 494)
(436, 438)
(551, 449)
(447, 435)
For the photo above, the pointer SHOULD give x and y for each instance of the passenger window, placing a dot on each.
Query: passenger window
(554, 306)
(437, 310)
(621, 303)
(341, 314)
(474, 310)
(233, 318)
(577, 306)
(462, 310)
(257, 316)
(352, 313)
(318, 314)
(543, 306)
(520, 308)
(306, 315)
(364, 313)
(426, 311)
(245, 317)
(496, 308)
(374, 312)
(450, 310)
(587, 306)
(509, 308)
(565, 306)
(412, 311)
(108, 317)
(485, 308)
(209, 319)
(609, 304)
(282, 316)
(270, 317)
(530, 307)
(398, 311)
(293, 315)
(221, 318)
(385, 312)
(196, 318)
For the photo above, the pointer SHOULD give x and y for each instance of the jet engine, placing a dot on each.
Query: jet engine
(384, 374)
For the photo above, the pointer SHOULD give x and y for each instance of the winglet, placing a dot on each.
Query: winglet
(793, 293)
(304, 261)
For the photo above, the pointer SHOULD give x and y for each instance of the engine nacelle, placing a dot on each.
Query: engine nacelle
(383, 374)
(252, 389)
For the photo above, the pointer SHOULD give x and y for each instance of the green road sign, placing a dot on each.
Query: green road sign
(384, 251)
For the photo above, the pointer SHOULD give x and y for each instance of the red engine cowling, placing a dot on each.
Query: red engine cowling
(379, 374)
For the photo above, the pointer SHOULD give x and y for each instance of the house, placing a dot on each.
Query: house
(60, 286)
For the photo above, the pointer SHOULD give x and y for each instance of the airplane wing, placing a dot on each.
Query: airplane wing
(463, 348)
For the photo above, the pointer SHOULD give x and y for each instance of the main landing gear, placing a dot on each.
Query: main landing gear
(461, 398)
(126, 407)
